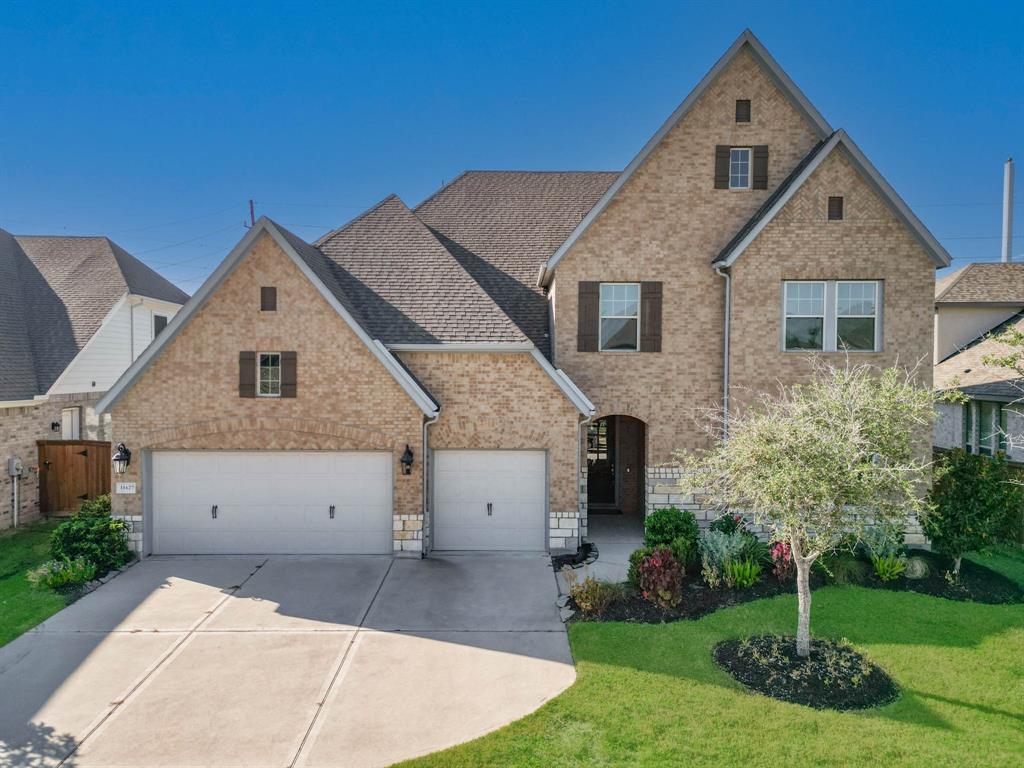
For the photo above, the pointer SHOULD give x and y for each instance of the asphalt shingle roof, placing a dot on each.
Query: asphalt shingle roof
(55, 293)
(967, 371)
(981, 283)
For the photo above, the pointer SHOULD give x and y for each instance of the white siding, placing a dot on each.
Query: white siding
(956, 327)
(949, 426)
(123, 336)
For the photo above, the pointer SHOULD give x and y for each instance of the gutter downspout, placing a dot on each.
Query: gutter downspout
(580, 423)
(725, 343)
(428, 524)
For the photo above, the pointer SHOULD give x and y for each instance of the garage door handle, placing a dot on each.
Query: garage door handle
(490, 508)
(331, 513)
(213, 511)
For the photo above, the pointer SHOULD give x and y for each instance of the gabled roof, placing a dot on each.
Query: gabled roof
(746, 40)
(983, 283)
(302, 254)
(965, 370)
(407, 287)
(55, 293)
(500, 226)
(808, 166)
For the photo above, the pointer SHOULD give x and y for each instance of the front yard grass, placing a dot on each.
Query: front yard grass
(21, 605)
(650, 695)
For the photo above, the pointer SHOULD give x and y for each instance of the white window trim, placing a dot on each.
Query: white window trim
(830, 330)
(750, 167)
(269, 394)
(601, 316)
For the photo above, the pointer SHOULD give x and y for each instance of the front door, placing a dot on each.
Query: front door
(601, 479)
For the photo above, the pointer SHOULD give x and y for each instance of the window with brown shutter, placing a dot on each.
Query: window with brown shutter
(722, 166)
(835, 208)
(268, 299)
(247, 374)
(742, 110)
(760, 171)
(588, 318)
(289, 371)
(650, 317)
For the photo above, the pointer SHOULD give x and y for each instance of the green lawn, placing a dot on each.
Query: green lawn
(21, 605)
(651, 695)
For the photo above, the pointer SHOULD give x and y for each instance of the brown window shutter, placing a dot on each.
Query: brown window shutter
(650, 317)
(835, 208)
(247, 374)
(722, 166)
(289, 369)
(760, 176)
(588, 317)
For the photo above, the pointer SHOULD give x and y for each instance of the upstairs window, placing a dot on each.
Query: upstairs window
(832, 315)
(835, 208)
(742, 110)
(739, 168)
(620, 317)
(268, 299)
(269, 374)
(991, 427)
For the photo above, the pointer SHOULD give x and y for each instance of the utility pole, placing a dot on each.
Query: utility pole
(252, 214)
(1008, 210)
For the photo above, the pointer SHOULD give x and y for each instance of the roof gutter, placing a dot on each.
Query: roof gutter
(428, 510)
(722, 273)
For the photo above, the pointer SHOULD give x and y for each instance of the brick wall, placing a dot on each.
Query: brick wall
(667, 223)
(505, 401)
(20, 428)
(188, 398)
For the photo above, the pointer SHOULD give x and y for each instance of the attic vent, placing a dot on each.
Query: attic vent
(742, 110)
(835, 208)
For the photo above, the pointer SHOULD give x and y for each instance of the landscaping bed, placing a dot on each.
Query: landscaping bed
(977, 583)
(834, 676)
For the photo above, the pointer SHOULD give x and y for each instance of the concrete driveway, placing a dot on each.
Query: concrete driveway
(284, 661)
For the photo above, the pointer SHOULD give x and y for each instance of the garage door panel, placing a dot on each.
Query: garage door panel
(271, 502)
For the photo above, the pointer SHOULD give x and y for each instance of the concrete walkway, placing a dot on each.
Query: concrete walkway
(284, 661)
(616, 537)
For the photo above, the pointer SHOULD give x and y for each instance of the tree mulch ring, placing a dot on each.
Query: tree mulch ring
(834, 676)
(977, 583)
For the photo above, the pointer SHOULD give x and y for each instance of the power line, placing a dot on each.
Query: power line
(186, 242)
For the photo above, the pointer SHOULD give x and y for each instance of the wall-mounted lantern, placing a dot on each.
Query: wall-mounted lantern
(55, 426)
(122, 458)
(407, 461)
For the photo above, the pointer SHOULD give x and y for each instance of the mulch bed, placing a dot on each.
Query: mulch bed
(977, 583)
(698, 600)
(834, 676)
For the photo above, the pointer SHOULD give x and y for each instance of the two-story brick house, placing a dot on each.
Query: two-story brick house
(521, 349)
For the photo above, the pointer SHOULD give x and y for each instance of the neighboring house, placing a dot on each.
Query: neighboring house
(972, 301)
(74, 313)
(522, 349)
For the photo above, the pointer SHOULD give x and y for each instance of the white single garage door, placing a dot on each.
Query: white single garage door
(274, 502)
(490, 500)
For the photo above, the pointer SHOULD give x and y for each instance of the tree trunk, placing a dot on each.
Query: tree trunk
(803, 594)
(956, 567)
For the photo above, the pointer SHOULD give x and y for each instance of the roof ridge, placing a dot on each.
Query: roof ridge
(957, 277)
(324, 238)
(439, 190)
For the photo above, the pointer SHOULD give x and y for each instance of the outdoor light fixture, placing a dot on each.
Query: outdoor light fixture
(122, 459)
(55, 426)
(407, 461)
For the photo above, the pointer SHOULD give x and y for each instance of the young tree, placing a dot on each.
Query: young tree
(818, 461)
(1011, 359)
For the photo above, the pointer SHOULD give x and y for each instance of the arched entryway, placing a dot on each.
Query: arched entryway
(616, 458)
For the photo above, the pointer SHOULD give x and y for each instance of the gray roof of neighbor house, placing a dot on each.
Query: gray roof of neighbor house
(55, 292)
(966, 370)
(983, 283)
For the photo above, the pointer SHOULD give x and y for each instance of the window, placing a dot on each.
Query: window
(991, 427)
(268, 299)
(835, 208)
(620, 317)
(269, 374)
(739, 168)
(71, 423)
(969, 427)
(159, 323)
(831, 315)
(805, 315)
(742, 110)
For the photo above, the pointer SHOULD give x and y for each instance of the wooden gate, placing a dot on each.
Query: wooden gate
(71, 471)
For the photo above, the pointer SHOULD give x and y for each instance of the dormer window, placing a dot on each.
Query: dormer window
(742, 110)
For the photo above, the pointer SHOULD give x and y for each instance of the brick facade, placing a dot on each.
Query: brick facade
(20, 428)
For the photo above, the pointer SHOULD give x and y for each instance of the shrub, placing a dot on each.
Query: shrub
(845, 568)
(633, 574)
(917, 568)
(727, 524)
(663, 526)
(973, 497)
(93, 535)
(782, 561)
(98, 507)
(593, 597)
(684, 549)
(741, 573)
(888, 568)
(63, 574)
(661, 578)
(716, 549)
(883, 541)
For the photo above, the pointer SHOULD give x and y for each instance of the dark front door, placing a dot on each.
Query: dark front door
(601, 487)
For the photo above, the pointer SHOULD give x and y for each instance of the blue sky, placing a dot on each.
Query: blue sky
(156, 125)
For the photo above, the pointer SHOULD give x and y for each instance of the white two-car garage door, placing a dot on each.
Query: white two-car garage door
(490, 500)
(275, 502)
